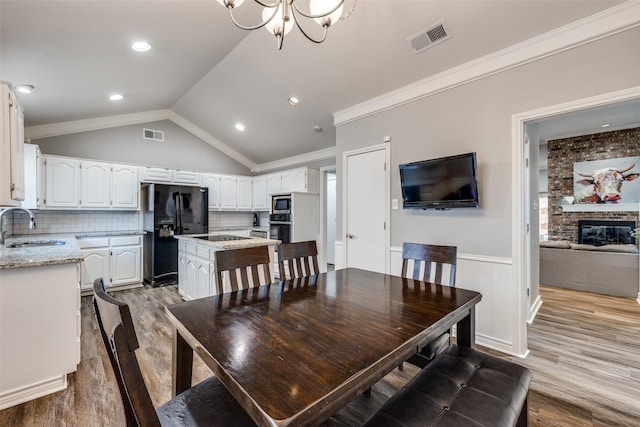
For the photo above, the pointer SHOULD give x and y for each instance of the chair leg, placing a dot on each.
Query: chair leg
(401, 367)
(367, 392)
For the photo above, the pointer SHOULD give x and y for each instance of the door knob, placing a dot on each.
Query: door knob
(351, 236)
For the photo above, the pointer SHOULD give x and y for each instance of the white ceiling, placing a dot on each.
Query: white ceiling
(213, 74)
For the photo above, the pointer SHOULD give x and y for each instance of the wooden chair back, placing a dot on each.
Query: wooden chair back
(429, 255)
(246, 261)
(299, 259)
(120, 341)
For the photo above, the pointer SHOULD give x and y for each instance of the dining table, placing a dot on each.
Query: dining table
(295, 352)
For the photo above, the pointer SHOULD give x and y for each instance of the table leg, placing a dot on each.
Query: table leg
(466, 330)
(182, 364)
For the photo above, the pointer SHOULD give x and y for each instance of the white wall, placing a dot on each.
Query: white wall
(477, 116)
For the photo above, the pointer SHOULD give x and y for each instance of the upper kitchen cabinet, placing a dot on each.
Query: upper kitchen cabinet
(228, 192)
(212, 182)
(303, 180)
(169, 176)
(274, 183)
(260, 197)
(125, 187)
(244, 200)
(72, 184)
(62, 182)
(33, 177)
(11, 148)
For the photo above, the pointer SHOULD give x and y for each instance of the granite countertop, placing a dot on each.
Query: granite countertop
(40, 255)
(248, 242)
(110, 233)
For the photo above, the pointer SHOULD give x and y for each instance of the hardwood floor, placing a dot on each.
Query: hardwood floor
(584, 354)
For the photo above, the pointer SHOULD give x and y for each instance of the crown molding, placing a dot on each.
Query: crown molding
(313, 156)
(77, 126)
(608, 22)
(209, 139)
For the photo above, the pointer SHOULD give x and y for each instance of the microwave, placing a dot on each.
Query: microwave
(281, 205)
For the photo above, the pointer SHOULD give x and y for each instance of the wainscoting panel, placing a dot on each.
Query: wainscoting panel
(497, 314)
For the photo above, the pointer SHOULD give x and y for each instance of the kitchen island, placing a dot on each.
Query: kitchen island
(39, 315)
(196, 261)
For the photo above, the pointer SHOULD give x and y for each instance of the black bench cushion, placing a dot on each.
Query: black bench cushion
(461, 387)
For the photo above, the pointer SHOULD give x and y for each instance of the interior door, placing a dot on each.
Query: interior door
(366, 210)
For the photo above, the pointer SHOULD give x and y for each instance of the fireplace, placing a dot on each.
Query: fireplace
(600, 232)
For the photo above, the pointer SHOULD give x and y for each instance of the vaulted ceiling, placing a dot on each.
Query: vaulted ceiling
(212, 74)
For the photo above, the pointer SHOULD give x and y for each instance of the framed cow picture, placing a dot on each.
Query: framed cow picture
(607, 181)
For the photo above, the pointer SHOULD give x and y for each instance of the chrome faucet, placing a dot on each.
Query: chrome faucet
(32, 221)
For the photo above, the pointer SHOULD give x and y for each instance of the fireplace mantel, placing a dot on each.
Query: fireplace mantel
(602, 207)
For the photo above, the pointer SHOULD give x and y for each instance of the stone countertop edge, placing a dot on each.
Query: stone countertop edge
(41, 255)
(110, 233)
(249, 242)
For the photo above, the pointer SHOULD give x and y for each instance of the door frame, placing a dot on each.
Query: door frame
(521, 204)
(345, 200)
(322, 243)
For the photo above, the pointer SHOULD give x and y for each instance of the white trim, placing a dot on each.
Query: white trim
(313, 156)
(209, 139)
(345, 203)
(86, 125)
(535, 307)
(602, 207)
(32, 391)
(608, 22)
(519, 204)
(470, 257)
(322, 239)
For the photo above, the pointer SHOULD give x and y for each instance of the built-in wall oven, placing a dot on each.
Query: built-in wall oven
(280, 227)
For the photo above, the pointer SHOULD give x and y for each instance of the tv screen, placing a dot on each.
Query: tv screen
(443, 183)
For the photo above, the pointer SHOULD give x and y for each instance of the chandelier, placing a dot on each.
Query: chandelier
(279, 16)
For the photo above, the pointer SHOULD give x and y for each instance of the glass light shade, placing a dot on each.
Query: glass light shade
(235, 3)
(276, 22)
(321, 7)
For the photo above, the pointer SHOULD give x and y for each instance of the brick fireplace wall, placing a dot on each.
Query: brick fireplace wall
(562, 154)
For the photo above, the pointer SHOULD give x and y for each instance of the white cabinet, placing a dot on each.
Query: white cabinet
(72, 183)
(11, 148)
(95, 182)
(274, 184)
(303, 180)
(39, 331)
(228, 192)
(182, 255)
(202, 278)
(186, 177)
(149, 174)
(62, 182)
(125, 187)
(212, 182)
(190, 275)
(33, 177)
(260, 197)
(118, 260)
(245, 187)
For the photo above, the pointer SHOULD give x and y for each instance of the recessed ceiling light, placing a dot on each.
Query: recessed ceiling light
(293, 101)
(141, 46)
(240, 127)
(606, 125)
(24, 88)
(115, 97)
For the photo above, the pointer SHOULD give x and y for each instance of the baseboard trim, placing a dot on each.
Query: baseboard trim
(32, 391)
(535, 307)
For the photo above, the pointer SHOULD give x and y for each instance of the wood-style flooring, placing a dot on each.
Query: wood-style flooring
(584, 354)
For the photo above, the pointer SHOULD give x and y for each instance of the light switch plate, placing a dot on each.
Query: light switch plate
(394, 204)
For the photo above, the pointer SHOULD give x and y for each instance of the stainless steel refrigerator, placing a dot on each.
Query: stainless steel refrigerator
(169, 210)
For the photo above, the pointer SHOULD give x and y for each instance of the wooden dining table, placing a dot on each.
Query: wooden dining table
(295, 352)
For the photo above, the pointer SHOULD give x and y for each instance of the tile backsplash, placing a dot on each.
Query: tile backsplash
(49, 222)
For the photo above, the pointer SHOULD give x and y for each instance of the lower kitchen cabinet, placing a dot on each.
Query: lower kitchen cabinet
(118, 260)
(39, 330)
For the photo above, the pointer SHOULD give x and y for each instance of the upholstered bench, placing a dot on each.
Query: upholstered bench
(461, 387)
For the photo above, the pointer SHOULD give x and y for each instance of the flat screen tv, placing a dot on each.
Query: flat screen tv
(443, 183)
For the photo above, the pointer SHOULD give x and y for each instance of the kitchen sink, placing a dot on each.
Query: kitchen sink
(36, 243)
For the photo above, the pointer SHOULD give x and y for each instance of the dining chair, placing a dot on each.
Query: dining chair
(248, 262)
(299, 259)
(206, 404)
(430, 260)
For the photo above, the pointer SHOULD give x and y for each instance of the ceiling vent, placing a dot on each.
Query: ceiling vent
(153, 135)
(430, 37)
